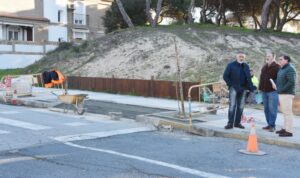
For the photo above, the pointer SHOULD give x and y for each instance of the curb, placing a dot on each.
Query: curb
(29, 103)
(209, 132)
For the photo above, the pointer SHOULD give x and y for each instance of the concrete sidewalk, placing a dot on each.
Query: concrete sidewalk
(205, 124)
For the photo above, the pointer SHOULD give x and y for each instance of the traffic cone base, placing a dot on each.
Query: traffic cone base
(258, 153)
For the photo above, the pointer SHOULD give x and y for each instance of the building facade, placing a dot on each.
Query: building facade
(31, 28)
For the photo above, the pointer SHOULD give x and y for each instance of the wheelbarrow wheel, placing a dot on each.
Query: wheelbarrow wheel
(80, 111)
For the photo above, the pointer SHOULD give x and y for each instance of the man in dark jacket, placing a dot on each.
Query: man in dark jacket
(238, 79)
(286, 86)
(269, 93)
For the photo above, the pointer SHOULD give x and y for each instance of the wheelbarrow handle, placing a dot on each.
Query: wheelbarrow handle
(54, 93)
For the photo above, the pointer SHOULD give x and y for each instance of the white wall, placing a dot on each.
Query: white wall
(29, 48)
(56, 32)
(80, 12)
(51, 8)
(6, 48)
(11, 61)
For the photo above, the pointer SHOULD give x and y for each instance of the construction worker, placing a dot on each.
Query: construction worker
(251, 95)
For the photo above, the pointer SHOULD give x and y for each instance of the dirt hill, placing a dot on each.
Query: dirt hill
(144, 52)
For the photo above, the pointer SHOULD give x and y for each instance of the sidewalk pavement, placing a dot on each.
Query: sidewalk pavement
(204, 124)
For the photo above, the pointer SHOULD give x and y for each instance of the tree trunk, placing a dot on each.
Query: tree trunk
(158, 10)
(190, 15)
(124, 14)
(274, 18)
(279, 26)
(203, 18)
(182, 111)
(150, 19)
(265, 15)
(220, 13)
(256, 22)
(239, 19)
(275, 15)
(224, 19)
(282, 21)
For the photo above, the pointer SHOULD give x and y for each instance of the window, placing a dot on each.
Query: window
(13, 35)
(79, 19)
(59, 15)
(79, 35)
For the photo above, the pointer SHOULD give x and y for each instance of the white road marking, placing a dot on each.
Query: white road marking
(93, 135)
(11, 160)
(4, 132)
(10, 112)
(151, 161)
(75, 124)
(27, 158)
(22, 124)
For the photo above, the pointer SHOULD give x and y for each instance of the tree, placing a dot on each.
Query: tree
(203, 15)
(265, 15)
(255, 7)
(289, 9)
(124, 14)
(113, 19)
(221, 13)
(190, 15)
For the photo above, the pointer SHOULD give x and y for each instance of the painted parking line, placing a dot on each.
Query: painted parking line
(94, 135)
(151, 161)
(21, 124)
(10, 112)
(4, 132)
(75, 124)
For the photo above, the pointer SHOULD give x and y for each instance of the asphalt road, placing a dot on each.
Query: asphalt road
(128, 111)
(38, 143)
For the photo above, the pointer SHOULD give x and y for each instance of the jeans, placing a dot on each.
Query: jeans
(236, 106)
(270, 101)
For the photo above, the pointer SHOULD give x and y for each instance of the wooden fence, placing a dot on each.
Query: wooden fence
(147, 88)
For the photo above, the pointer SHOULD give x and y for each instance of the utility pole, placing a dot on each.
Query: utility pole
(182, 111)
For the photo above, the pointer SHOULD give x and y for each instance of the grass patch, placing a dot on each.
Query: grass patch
(4, 72)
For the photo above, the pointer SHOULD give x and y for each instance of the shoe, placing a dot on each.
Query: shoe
(228, 126)
(272, 129)
(280, 131)
(239, 126)
(266, 128)
(285, 134)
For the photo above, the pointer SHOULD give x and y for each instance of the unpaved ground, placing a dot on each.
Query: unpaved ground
(145, 52)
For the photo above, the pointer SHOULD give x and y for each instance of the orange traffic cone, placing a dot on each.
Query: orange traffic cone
(252, 147)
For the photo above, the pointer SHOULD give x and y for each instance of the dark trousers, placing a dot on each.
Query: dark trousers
(236, 106)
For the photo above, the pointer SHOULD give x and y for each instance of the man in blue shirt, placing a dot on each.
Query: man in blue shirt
(238, 79)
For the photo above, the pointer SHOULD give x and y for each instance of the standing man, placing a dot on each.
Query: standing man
(286, 84)
(238, 80)
(269, 93)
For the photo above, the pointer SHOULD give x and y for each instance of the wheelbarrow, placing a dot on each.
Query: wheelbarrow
(77, 101)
